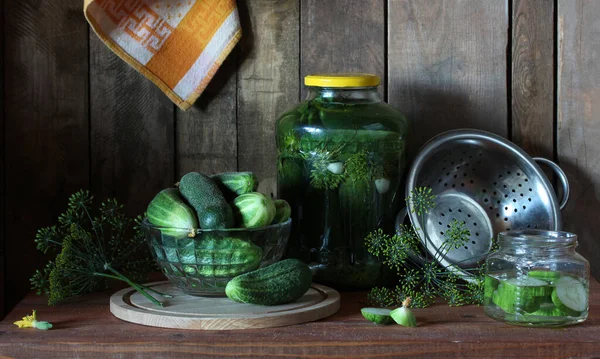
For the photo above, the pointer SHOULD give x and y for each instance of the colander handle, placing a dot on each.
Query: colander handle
(561, 176)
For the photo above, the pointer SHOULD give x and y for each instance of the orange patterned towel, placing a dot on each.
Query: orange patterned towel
(178, 44)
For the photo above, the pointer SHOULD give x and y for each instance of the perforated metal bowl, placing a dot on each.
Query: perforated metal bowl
(489, 183)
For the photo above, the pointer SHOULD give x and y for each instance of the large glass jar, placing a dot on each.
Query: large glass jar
(341, 158)
(537, 279)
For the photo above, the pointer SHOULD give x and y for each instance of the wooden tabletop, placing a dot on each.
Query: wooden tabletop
(86, 329)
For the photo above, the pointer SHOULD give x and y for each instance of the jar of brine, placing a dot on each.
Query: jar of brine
(537, 278)
(340, 161)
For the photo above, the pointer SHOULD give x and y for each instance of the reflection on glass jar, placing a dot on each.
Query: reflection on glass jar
(537, 279)
(340, 161)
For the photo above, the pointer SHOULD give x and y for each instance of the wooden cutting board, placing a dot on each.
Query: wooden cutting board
(219, 313)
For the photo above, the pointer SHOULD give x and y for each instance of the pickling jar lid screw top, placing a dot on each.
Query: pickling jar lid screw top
(342, 80)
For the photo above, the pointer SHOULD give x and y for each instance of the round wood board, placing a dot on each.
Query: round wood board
(219, 313)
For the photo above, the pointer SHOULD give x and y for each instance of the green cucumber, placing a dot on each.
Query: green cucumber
(505, 304)
(204, 195)
(233, 184)
(167, 209)
(488, 287)
(549, 276)
(283, 211)
(526, 287)
(220, 257)
(377, 315)
(548, 310)
(521, 294)
(253, 210)
(570, 296)
(279, 283)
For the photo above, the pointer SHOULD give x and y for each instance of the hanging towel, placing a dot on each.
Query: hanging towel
(178, 44)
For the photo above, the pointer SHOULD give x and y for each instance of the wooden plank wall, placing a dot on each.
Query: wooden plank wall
(578, 121)
(75, 116)
(46, 124)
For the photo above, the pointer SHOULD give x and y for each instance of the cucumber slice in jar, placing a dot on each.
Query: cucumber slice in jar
(377, 315)
(548, 310)
(506, 304)
(570, 296)
(521, 294)
(546, 275)
(488, 287)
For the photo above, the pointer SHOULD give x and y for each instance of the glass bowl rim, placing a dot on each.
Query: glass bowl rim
(146, 223)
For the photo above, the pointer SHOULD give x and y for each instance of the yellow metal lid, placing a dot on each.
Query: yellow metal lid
(341, 80)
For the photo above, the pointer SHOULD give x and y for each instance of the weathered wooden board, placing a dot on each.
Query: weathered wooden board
(220, 313)
(131, 132)
(86, 329)
(343, 36)
(578, 120)
(206, 134)
(533, 76)
(447, 65)
(267, 83)
(46, 106)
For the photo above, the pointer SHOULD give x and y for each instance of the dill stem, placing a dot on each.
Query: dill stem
(132, 284)
(140, 285)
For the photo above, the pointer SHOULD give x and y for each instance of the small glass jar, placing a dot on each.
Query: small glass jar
(537, 279)
(340, 162)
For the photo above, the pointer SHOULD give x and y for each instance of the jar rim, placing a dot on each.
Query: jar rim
(538, 237)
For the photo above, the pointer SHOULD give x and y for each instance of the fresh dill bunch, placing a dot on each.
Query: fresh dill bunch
(422, 199)
(40, 282)
(91, 251)
(377, 241)
(385, 297)
(456, 236)
(381, 296)
(420, 298)
(397, 249)
(421, 277)
(400, 248)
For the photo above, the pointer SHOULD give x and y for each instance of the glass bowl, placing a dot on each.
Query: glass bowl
(201, 263)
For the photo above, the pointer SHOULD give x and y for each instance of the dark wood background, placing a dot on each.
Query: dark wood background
(75, 116)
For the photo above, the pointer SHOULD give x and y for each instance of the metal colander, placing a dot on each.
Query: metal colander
(487, 182)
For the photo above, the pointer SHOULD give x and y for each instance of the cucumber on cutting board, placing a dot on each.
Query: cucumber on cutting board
(167, 209)
(204, 195)
(570, 296)
(279, 283)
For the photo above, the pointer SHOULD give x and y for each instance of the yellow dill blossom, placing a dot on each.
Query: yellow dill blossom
(30, 321)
